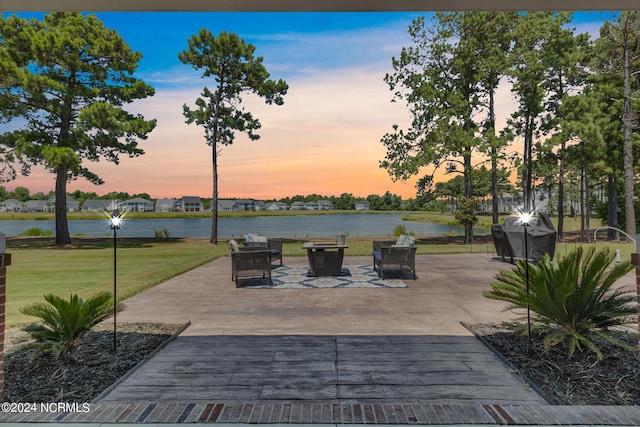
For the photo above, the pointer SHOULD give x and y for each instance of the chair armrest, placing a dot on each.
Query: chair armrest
(379, 244)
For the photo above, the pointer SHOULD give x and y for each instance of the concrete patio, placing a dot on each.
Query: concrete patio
(448, 290)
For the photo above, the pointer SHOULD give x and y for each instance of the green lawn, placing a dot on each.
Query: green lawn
(86, 269)
(485, 221)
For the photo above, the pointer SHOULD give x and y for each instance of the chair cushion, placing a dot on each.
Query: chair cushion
(275, 252)
(249, 237)
(254, 238)
(233, 246)
(405, 241)
(377, 256)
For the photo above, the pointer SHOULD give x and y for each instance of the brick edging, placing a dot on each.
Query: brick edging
(339, 413)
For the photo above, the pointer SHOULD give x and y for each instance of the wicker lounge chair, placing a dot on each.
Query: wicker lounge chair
(249, 262)
(387, 256)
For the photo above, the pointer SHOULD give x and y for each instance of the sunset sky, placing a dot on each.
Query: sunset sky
(325, 139)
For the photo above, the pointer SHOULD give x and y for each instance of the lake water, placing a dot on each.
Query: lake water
(301, 226)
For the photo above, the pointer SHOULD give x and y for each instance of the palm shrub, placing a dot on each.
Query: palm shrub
(401, 229)
(573, 300)
(64, 322)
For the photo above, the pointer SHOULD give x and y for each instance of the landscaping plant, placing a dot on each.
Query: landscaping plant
(64, 322)
(36, 231)
(401, 229)
(164, 233)
(573, 300)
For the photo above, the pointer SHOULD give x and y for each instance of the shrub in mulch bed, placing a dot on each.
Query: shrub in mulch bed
(91, 369)
(579, 380)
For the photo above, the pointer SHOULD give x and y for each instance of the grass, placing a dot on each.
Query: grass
(485, 221)
(87, 268)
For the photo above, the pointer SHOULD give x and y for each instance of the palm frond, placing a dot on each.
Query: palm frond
(63, 322)
(573, 299)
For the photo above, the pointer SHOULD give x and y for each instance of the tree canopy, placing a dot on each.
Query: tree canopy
(231, 63)
(448, 77)
(66, 80)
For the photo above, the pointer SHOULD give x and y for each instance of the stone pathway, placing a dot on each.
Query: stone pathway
(332, 369)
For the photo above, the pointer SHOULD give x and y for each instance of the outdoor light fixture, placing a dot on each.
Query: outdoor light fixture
(115, 222)
(525, 218)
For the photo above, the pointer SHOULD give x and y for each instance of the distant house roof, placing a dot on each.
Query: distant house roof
(325, 203)
(138, 200)
(276, 206)
(96, 205)
(226, 204)
(11, 203)
(191, 199)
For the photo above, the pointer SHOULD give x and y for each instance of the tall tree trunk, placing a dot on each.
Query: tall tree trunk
(468, 193)
(583, 189)
(494, 160)
(612, 204)
(561, 193)
(587, 196)
(214, 205)
(628, 122)
(494, 187)
(62, 228)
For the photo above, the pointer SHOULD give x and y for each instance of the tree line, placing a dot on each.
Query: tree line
(577, 105)
(346, 201)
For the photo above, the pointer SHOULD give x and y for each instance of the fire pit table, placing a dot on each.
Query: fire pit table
(325, 259)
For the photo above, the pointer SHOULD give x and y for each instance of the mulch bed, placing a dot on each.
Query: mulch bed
(579, 380)
(93, 368)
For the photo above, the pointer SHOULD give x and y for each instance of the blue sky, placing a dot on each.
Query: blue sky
(326, 137)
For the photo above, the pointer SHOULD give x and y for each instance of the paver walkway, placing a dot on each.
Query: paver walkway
(325, 369)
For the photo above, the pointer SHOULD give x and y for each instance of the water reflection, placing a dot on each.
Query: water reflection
(301, 226)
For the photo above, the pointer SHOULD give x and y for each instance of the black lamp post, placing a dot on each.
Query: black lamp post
(115, 221)
(525, 219)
